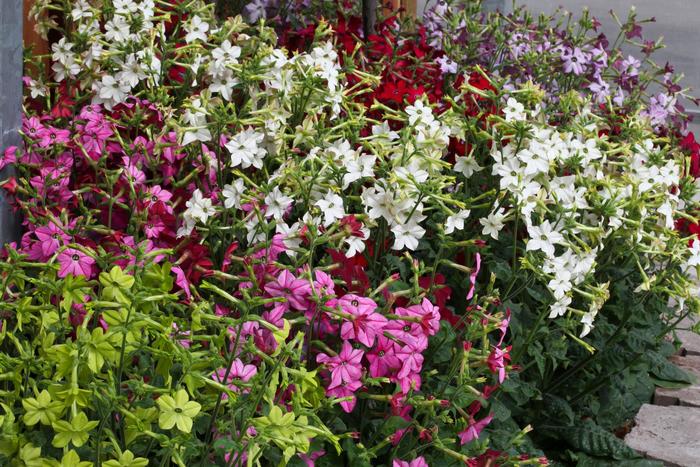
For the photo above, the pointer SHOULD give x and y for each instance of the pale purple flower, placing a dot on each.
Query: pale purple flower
(447, 65)
(575, 60)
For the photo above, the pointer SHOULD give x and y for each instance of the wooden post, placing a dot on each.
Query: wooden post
(10, 101)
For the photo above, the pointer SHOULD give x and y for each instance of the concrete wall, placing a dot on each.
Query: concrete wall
(10, 98)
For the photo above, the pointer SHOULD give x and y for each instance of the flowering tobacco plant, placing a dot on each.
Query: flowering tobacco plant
(320, 248)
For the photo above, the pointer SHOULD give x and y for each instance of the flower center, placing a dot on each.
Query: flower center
(178, 410)
(354, 303)
(75, 257)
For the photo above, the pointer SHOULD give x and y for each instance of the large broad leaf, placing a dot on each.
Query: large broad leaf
(664, 370)
(591, 439)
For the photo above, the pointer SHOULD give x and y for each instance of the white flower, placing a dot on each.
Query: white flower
(694, 259)
(224, 85)
(226, 53)
(232, 194)
(535, 162)
(187, 225)
(117, 30)
(467, 165)
(358, 167)
(559, 307)
(384, 131)
(131, 72)
(543, 237)
(81, 9)
(112, 90)
(587, 321)
(407, 235)
(514, 111)
(245, 150)
(197, 121)
(196, 30)
(331, 207)
(356, 244)
(456, 221)
(419, 114)
(199, 207)
(493, 223)
(277, 203)
(561, 284)
(290, 234)
(667, 210)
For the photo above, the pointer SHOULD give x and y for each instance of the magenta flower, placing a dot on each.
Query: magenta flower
(382, 358)
(496, 362)
(51, 238)
(345, 367)
(345, 389)
(411, 359)
(156, 193)
(365, 323)
(310, 459)
(427, 312)
(294, 290)
(74, 262)
(9, 156)
(417, 462)
(472, 277)
(474, 429)
(49, 136)
(238, 371)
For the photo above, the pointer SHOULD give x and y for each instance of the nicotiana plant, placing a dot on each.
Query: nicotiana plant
(245, 249)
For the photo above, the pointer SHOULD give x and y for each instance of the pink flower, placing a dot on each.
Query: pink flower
(74, 262)
(496, 362)
(474, 429)
(411, 359)
(472, 276)
(310, 459)
(345, 367)
(156, 193)
(294, 290)
(429, 314)
(382, 358)
(365, 324)
(503, 327)
(50, 136)
(238, 371)
(51, 238)
(181, 280)
(9, 156)
(417, 462)
(345, 389)
(182, 337)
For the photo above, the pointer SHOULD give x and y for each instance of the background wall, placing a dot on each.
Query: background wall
(678, 21)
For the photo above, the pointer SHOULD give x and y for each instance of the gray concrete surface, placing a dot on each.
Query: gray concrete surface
(667, 434)
(10, 99)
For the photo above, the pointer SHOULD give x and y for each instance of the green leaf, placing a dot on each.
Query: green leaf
(591, 439)
(664, 370)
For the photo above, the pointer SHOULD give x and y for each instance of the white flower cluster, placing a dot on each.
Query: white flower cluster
(571, 192)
